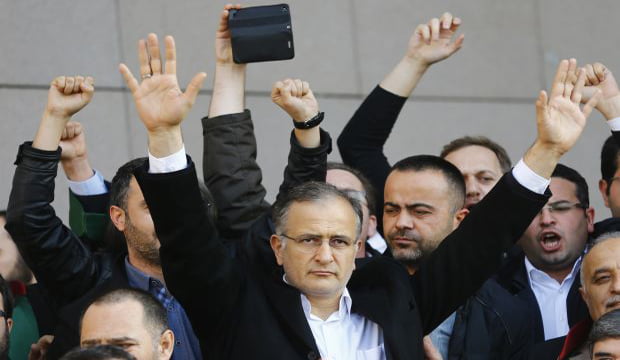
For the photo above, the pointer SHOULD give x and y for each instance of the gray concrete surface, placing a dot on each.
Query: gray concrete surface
(343, 48)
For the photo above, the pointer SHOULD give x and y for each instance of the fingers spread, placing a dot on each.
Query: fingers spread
(154, 54)
(143, 58)
(171, 55)
(130, 80)
(194, 86)
(579, 84)
(557, 88)
(587, 108)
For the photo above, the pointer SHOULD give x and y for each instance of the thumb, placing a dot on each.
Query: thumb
(541, 104)
(191, 92)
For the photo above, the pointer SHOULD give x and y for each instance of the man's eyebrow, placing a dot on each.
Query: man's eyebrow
(600, 270)
(387, 203)
(419, 204)
(109, 340)
(601, 353)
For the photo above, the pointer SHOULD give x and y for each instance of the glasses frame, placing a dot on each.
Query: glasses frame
(313, 249)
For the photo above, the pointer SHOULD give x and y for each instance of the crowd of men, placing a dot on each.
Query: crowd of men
(456, 256)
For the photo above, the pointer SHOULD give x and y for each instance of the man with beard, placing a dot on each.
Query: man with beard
(70, 272)
(547, 276)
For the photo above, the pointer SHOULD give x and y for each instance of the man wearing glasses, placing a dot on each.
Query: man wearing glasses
(548, 275)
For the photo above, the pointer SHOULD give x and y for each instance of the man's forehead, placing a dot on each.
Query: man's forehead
(417, 185)
(562, 189)
(343, 179)
(603, 255)
(474, 156)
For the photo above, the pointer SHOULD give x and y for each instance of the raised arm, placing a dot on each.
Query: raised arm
(55, 254)
(190, 247)
(307, 160)
(229, 162)
(471, 254)
(88, 195)
(362, 139)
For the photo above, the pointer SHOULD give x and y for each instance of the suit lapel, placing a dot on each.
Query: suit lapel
(286, 302)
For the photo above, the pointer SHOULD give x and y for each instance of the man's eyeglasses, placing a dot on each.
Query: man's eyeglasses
(3, 314)
(560, 207)
(311, 243)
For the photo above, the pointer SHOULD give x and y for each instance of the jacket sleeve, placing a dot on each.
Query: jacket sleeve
(57, 257)
(191, 248)
(231, 173)
(362, 139)
(472, 253)
(305, 164)
(88, 217)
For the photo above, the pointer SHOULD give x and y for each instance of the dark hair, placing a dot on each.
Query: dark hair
(501, 154)
(100, 352)
(120, 182)
(609, 160)
(607, 326)
(371, 199)
(312, 191)
(154, 313)
(3, 213)
(114, 238)
(451, 173)
(564, 172)
(7, 298)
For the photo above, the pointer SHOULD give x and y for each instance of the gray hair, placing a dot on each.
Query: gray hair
(607, 326)
(314, 192)
(598, 240)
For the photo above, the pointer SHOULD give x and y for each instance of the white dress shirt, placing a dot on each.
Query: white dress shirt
(551, 298)
(345, 335)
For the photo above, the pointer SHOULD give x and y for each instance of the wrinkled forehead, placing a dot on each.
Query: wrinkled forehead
(343, 180)
(605, 255)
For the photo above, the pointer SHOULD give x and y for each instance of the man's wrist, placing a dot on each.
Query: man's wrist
(415, 62)
(77, 169)
(611, 111)
(165, 141)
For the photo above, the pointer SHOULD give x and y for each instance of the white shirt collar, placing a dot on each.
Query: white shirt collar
(344, 306)
(536, 275)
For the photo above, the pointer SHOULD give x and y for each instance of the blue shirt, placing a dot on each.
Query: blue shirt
(186, 346)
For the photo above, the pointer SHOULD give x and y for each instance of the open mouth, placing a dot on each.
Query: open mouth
(550, 241)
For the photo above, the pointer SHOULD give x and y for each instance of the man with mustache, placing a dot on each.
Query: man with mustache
(600, 289)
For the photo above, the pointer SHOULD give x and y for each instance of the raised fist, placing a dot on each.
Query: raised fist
(296, 98)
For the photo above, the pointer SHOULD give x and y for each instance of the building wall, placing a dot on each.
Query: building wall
(343, 48)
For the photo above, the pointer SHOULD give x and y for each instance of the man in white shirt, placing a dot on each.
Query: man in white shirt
(255, 308)
(553, 245)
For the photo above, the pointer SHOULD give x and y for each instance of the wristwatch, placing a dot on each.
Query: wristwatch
(309, 124)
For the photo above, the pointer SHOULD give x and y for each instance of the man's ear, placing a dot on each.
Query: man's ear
(459, 216)
(117, 215)
(372, 226)
(602, 188)
(277, 245)
(9, 324)
(166, 344)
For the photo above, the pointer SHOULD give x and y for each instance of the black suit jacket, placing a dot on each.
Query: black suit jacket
(513, 277)
(240, 308)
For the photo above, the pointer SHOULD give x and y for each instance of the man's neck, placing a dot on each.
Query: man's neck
(146, 267)
(323, 307)
(559, 275)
